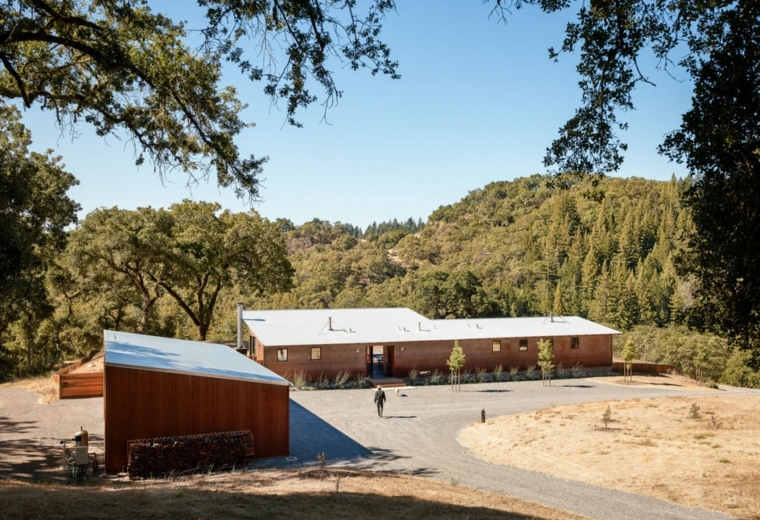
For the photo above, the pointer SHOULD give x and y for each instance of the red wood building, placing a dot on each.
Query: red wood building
(160, 387)
(391, 342)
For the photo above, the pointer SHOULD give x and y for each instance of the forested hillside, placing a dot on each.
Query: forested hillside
(512, 248)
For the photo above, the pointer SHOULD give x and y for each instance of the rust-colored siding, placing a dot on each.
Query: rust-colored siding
(593, 351)
(72, 386)
(140, 404)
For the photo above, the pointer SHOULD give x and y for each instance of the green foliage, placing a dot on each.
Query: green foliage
(629, 354)
(34, 213)
(413, 376)
(498, 372)
(191, 253)
(699, 356)
(124, 69)
(694, 412)
(545, 357)
(739, 373)
(455, 363)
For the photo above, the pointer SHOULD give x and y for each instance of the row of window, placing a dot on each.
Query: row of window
(496, 344)
(316, 352)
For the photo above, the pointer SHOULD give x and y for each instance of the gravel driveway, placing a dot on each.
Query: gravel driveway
(417, 436)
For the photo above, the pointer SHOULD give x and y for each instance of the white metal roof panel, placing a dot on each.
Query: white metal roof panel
(313, 326)
(183, 357)
(399, 325)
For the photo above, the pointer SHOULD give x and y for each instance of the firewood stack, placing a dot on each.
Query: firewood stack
(160, 456)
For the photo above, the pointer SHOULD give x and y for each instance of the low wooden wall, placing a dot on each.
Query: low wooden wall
(71, 386)
(643, 367)
(74, 366)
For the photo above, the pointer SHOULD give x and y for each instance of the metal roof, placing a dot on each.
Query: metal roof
(124, 349)
(312, 326)
(277, 328)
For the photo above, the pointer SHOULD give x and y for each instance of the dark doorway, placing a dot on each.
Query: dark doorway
(375, 361)
(389, 351)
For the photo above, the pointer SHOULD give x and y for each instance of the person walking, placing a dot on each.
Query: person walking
(379, 400)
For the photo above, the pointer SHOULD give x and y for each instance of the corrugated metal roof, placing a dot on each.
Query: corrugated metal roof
(183, 357)
(400, 325)
(312, 326)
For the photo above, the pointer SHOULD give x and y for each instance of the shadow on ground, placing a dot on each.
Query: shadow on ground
(21, 500)
(32, 458)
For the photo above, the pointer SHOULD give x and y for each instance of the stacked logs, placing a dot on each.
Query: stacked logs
(163, 455)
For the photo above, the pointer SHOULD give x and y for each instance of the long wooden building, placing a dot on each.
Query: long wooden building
(160, 387)
(393, 341)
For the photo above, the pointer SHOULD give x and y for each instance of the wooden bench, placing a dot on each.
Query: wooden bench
(400, 389)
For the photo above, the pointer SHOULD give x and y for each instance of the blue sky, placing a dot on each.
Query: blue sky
(478, 101)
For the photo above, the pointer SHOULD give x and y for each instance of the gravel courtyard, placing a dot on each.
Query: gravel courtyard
(417, 435)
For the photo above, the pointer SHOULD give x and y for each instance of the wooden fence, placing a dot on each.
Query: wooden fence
(72, 386)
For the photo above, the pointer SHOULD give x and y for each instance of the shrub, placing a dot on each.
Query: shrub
(435, 378)
(362, 382)
(607, 417)
(737, 372)
(530, 373)
(300, 379)
(481, 375)
(694, 412)
(576, 370)
(342, 378)
(498, 372)
(467, 377)
(561, 371)
(513, 373)
(699, 356)
(413, 375)
(322, 382)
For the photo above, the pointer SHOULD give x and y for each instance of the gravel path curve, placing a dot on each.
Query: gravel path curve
(419, 430)
(416, 436)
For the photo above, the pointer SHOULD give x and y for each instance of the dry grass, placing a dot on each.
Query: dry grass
(669, 381)
(270, 494)
(651, 447)
(46, 385)
(43, 385)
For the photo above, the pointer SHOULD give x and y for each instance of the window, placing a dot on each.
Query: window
(316, 353)
(496, 345)
(575, 343)
(282, 354)
(523, 344)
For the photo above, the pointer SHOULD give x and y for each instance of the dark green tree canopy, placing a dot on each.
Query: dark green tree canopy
(126, 70)
(34, 213)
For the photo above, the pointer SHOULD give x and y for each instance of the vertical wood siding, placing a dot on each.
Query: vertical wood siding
(140, 404)
(593, 351)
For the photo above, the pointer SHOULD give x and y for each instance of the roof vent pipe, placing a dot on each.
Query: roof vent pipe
(329, 323)
(551, 316)
(419, 324)
(240, 324)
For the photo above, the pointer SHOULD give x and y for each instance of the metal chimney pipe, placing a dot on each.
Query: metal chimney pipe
(329, 323)
(240, 324)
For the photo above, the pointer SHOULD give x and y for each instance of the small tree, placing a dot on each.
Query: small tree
(545, 356)
(629, 353)
(455, 363)
(607, 417)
